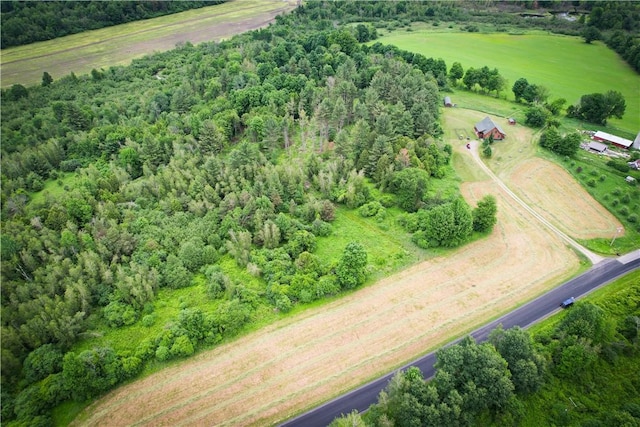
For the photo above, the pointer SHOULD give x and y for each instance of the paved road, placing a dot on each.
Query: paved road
(534, 311)
(603, 271)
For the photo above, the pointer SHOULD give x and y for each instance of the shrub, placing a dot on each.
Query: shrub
(387, 201)
(146, 349)
(148, 320)
(591, 183)
(593, 172)
(283, 303)
(70, 165)
(321, 228)
(370, 209)
(579, 169)
(602, 178)
(624, 211)
(118, 314)
(625, 199)
(633, 218)
(182, 347)
(162, 353)
(617, 191)
(615, 202)
(618, 165)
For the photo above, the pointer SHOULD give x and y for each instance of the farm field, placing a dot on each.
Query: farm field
(119, 45)
(542, 184)
(567, 66)
(302, 360)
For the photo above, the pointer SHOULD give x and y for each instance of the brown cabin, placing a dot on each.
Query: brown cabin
(487, 127)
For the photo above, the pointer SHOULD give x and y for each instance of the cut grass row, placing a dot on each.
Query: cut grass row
(566, 65)
(610, 189)
(118, 45)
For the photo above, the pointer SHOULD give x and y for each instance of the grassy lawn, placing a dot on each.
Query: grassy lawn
(118, 45)
(567, 66)
(387, 244)
(54, 187)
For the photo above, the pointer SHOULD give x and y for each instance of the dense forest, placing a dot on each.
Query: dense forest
(582, 370)
(25, 22)
(157, 173)
(137, 180)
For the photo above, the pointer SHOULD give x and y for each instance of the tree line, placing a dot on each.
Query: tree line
(137, 179)
(617, 24)
(29, 22)
(490, 383)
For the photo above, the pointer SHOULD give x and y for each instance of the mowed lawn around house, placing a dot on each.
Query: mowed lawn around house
(566, 65)
(120, 44)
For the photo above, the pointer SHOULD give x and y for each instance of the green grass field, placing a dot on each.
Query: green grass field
(567, 66)
(118, 45)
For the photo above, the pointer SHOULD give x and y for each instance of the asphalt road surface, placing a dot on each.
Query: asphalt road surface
(532, 312)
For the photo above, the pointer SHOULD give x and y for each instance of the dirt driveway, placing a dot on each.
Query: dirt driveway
(276, 372)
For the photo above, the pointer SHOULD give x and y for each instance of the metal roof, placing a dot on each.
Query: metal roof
(597, 146)
(487, 124)
(614, 139)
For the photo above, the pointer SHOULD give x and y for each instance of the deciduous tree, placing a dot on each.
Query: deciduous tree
(351, 270)
(484, 215)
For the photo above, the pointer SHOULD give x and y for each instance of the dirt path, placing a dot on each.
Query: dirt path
(593, 258)
(274, 373)
(544, 186)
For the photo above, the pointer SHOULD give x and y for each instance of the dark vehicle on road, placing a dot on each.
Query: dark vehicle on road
(568, 302)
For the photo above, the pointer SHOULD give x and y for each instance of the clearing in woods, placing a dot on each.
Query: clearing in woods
(301, 361)
(120, 44)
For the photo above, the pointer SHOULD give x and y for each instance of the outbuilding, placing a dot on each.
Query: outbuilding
(612, 139)
(447, 102)
(512, 121)
(486, 127)
(598, 147)
(630, 179)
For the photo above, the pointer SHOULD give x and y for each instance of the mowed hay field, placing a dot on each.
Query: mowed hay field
(119, 45)
(543, 185)
(301, 361)
(272, 374)
(566, 65)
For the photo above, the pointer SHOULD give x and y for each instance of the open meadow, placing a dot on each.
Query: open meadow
(566, 65)
(119, 45)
